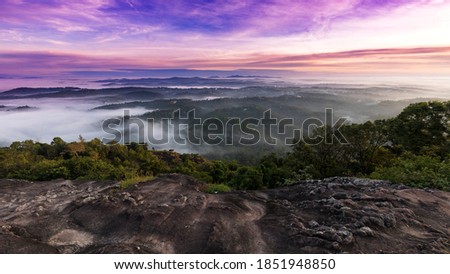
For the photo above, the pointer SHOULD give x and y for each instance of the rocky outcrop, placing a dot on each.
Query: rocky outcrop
(172, 215)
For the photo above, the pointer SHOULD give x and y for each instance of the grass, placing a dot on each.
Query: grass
(135, 180)
(216, 188)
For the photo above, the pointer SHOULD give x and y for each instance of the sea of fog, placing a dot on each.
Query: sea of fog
(70, 117)
(65, 118)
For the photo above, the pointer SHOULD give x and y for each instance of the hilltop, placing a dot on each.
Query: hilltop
(172, 214)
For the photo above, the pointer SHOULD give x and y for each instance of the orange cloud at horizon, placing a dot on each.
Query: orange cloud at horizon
(416, 60)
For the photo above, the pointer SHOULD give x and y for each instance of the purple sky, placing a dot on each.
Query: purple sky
(52, 37)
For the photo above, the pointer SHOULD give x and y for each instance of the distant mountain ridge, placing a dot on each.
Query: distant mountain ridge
(235, 81)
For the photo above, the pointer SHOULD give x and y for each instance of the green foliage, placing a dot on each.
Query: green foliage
(219, 171)
(202, 176)
(421, 126)
(92, 160)
(88, 168)
(48, 170)
(304, 174)
(216, 188)
(417, 171)
(274, 170)
(132, 181)
(412, 148)
(364, 150)
(248, 178)
(377, 149)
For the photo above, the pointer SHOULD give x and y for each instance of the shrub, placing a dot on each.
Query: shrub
(417, 171)
(135, 180)
(217, 188)
(48, 170)
(248, 178)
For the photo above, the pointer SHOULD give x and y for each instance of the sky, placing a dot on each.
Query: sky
(49, 38)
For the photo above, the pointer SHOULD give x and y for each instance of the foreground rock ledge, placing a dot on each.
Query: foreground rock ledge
(172, 215)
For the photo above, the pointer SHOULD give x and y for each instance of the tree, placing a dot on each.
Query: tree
(57, 149)
(326, 157)
(219, 172)
(421, 126)
(247, 178)
(364, 150)
(274, 170)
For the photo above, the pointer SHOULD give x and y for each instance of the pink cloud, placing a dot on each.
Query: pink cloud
(429, 59)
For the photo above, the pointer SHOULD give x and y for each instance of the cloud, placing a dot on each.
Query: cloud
(415, 60)
(260, 17)
(48, 63)
(430, 60)
(401, 55)
(69, 118)
(55, 36)
(60, 118)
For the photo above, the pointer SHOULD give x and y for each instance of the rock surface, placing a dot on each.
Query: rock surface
(172, 215)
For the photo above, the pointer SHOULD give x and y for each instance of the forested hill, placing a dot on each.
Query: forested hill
(412, 148)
